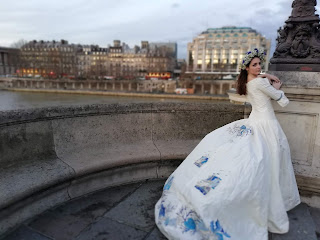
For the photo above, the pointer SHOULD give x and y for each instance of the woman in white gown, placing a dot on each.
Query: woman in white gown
(238, 182)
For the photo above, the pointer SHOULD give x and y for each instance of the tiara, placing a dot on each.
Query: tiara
(260, 53)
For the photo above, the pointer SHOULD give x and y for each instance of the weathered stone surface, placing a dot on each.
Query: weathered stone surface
(138, 209)
(58, 226)
(156, 235)
(113, 177)
(26, 233)
(40, 114)
(298, 79)
(21, 211)
(111, 230)
(76, 215)
(301, 225)
(166, 167)
(25, 142)
(104, 141)
(28, 161)
(19, 181)
(315, 214)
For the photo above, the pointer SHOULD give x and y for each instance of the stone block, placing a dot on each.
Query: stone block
(17, 213)
(315, 214)
(92, 143)
(138, 209)
(156, 235)
(25, 233)
(76, 215)
(111, 230)
(113, 177)
(25, 142)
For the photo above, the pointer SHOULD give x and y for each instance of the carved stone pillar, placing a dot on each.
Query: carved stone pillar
(298, 41)
(296, 62)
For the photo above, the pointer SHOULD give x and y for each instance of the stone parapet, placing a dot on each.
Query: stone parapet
(52, 155)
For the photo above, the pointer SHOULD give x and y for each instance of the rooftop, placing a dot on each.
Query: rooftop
(230, 29)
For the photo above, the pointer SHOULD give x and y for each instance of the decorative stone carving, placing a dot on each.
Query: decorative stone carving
(300, 46)
(303, 8)
(298, 41)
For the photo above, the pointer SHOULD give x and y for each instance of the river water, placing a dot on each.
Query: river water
(24, 100)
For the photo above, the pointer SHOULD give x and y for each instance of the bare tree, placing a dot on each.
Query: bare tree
(19, 43)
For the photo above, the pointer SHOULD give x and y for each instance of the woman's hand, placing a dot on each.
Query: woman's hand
(277, 85)
(272, 79)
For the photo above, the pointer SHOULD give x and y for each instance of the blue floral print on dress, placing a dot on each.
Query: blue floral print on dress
(167, 186)
(162, 211)
(240, 131)
(190, 225)
(187, 219)
(201, 161)
(204, 186)
(216, 228)
(190, 222)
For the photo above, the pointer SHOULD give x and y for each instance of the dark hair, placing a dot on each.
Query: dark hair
(242, 82)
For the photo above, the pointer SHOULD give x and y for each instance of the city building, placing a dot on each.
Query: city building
(60, 59)
(170, 47)
(222, 49)
(149, 61)
(49, 59)
(9, 61)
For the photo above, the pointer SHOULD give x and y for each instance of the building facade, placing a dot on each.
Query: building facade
(59, 59)
(222, 49)
(9, 61)
(49, 59)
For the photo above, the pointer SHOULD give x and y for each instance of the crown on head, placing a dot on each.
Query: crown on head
(260, 53)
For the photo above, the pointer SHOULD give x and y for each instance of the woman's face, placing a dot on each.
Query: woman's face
(254, 67)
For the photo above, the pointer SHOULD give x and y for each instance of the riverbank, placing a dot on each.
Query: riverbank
(121, 94)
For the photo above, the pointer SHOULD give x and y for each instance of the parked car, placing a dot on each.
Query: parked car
(108, 77)
(181, 91)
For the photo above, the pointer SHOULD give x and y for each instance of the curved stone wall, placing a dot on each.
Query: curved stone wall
(49, 156)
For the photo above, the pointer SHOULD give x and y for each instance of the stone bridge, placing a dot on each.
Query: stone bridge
(53, 156)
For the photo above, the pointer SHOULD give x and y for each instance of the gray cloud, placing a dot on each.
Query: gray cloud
(99, 22)
(175, 5)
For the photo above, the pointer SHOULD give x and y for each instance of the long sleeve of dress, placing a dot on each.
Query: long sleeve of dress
(275, 94)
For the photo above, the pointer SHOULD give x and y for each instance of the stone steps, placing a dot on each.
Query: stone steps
(127, 212)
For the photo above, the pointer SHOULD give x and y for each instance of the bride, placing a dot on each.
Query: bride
(238, 182)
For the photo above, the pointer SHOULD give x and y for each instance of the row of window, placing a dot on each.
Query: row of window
(228, 35)
(64, 49)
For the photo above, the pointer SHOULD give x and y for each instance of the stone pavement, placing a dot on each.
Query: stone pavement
(127, 212)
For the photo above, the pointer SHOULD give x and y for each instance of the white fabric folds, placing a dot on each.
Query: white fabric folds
(237, 183)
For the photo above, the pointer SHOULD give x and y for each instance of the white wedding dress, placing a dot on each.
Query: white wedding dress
(237, 183)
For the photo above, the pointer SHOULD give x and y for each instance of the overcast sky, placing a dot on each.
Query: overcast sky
(102, 21)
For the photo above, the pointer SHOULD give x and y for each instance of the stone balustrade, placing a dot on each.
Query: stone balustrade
(52, 155)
